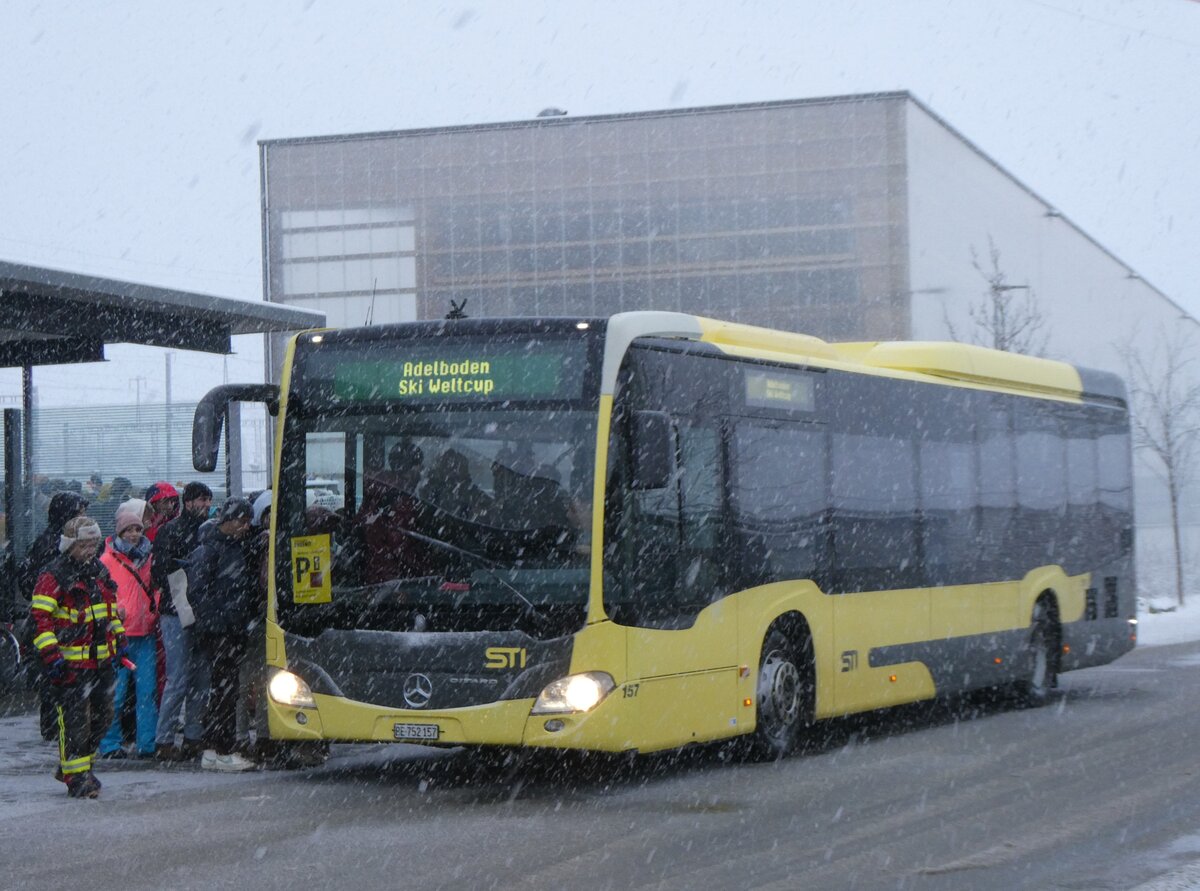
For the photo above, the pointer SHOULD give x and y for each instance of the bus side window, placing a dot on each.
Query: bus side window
(1041, 487)
(874, 513)
(1115, 490)
(948, 493)
(996, 467)
(779, 486)
(1084, 517)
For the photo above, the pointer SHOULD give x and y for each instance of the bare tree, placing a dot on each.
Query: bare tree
(1007, 316)
(1164, 387)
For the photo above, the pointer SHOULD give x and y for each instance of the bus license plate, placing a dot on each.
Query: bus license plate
(416, 731)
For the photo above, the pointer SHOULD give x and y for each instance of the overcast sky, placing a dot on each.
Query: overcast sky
(129, 129)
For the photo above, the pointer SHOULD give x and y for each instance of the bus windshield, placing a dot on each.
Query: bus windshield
(458, 511)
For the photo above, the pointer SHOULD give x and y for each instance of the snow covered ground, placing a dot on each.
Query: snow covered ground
(1180, 625)
(26, 763)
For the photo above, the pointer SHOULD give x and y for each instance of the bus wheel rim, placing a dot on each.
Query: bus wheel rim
(779, 693)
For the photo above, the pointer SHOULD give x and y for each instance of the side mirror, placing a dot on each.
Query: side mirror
(210, 418)
(653, 450)
(206, 435)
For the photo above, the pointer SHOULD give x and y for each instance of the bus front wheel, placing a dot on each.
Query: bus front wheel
(1041, 658)
(784, 697)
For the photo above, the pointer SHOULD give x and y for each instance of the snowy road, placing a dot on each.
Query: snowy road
(1101, 789)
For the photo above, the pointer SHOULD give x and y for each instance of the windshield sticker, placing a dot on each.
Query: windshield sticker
(310, 569)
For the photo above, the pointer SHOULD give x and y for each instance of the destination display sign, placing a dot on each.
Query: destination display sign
(432, 372)
(780, 389)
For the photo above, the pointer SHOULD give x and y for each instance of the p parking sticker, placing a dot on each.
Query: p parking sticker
(310, 569)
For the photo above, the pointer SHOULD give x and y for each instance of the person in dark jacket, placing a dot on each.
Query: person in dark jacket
(63, 506)
(187, 670)
(224, 598)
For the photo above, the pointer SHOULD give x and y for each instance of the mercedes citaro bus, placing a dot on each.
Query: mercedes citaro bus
(654, 529)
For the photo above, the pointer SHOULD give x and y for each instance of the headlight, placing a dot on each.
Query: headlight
(574, 693)
(288, 689)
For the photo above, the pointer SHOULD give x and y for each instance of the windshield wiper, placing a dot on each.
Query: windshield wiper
(542, 619)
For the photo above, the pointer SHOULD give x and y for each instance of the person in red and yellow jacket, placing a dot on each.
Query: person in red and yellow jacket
(127, 557)
(79, 636)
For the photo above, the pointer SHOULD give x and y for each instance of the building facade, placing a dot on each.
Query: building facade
(788, 214)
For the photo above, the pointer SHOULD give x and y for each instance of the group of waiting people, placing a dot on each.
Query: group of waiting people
(169, 579)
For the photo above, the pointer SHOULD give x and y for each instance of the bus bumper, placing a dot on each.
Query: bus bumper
(507, 723)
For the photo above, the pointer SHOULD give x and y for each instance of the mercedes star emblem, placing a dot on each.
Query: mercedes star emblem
(417, 690)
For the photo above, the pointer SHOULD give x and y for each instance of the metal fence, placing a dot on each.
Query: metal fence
(111, 452)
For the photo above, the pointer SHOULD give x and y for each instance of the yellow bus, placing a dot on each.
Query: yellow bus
(640, 532)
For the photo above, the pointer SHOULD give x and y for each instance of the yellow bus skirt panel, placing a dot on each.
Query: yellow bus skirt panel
(682, 682)
(869, 619)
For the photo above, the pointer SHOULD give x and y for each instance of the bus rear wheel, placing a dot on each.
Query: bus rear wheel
(784, 697)
(1040, 658)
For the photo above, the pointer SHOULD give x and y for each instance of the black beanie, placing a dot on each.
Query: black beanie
(235, 509)
(192, 491)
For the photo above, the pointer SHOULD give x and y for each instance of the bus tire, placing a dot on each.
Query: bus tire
(1040, 657)
(784, 695)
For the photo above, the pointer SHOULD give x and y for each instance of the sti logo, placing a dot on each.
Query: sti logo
(504, 657)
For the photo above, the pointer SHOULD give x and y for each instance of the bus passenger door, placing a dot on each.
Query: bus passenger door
(682, 636)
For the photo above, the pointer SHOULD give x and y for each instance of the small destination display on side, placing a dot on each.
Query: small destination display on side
(783, 390)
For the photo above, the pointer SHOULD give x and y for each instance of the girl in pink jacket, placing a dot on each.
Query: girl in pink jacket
(127, 558)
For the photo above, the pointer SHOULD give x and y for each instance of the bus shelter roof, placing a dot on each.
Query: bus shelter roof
(52, 317)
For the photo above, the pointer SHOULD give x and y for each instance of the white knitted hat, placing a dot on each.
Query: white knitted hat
(78, 529)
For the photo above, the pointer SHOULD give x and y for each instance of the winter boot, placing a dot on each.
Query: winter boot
(83, 785)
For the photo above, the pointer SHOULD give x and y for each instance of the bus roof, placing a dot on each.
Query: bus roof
(942, 362)
(933, 361)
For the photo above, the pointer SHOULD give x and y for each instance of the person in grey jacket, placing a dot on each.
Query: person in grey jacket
(224, 597)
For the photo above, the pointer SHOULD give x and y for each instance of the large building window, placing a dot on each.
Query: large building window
(359, 265)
